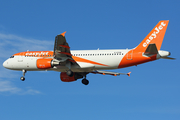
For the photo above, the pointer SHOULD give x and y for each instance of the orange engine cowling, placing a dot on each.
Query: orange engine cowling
(44, 63)
(65, 78)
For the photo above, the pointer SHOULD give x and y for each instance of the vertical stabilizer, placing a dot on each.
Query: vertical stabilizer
(154, 37)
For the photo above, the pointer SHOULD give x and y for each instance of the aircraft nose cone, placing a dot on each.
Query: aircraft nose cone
(5, 64)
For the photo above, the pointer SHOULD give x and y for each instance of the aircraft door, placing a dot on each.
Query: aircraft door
(130, 55)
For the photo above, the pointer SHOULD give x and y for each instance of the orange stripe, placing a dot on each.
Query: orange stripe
(65, 46)
(66, 53)
(78, 59)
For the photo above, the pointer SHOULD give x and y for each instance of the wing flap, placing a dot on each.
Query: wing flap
(110, 73)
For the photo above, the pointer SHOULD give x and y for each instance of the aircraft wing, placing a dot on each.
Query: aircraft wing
(61, 48)
(109, 73)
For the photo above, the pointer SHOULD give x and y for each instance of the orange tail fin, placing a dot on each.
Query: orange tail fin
(155, 36)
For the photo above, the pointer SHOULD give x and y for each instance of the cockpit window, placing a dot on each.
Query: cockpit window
(12, 57)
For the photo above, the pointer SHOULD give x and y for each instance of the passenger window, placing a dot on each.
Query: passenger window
(12, 57)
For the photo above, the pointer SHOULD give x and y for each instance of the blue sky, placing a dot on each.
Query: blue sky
(152, 91)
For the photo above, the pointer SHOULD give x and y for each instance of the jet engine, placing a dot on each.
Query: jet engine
(46, 63)
(65, 78)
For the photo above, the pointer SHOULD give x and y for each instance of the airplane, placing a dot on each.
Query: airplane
(76, 64)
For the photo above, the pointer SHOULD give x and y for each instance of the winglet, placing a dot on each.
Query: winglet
(129, 74)
(63, 34)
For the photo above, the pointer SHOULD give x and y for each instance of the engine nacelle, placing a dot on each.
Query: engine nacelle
(65, 78)
(46, 63)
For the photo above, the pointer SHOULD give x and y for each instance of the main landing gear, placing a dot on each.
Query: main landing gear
(23, 78)
(85, 81)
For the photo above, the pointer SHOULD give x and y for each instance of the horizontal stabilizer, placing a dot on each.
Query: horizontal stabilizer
(110, 73)
(170, 58)
(151, 49)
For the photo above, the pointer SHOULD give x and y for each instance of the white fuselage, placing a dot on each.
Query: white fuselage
(87, 60)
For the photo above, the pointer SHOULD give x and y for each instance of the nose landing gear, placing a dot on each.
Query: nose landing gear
(23, 78)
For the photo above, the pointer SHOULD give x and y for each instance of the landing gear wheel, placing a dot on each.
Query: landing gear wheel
(69, 73)
(85, 82)
(22, 78)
